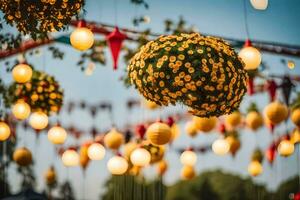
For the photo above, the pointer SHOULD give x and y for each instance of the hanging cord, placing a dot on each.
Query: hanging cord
(116, 12)
(4, 163)
(44, 59)
(246, 19)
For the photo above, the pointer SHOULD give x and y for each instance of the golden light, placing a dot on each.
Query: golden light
(117, 165)
(38, 120)
(22, 73)
(140, 157)
(96, 151)
(57, 135)
(291, 64)
(21, 110)
(188, 157)
(50, 176)
(82, 38)
(286, 148)
(250, 56)
(220, 146)
(159, 133)
(4, 131)
(255, 168)
(191, 129)
(295, 117)
(259, 4)
(187, 172)
(295, 137)
(70, 158)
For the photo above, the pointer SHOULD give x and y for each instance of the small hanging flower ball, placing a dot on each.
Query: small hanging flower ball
(21, 110)
(162, 167)
(187, 172)
(295, 117)
(157, 151)
(205, 124)
(22, 156)
(22, 73)
(82, 38)
(276, 112)
(159, 133)
(233, 120)
(4, 131)
(255, 168)
(286, 148)
(50, 176)
(191, 129)
(57, 135)
(254, 120)
(204, 73)
(113, 139)
(117, 165)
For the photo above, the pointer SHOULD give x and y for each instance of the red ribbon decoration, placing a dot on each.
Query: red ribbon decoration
(115, 40)
(250, 86)
(271, 153)
(271, 87)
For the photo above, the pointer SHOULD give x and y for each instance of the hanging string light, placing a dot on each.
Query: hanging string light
(82, 38)
(188, 157)
(22, 73)
(96, 151)
(249, 54)
(220, 146)
(70, 158)
(117, 165)
(4, 131)
(140, 157)
(38, 120)
(57, 135)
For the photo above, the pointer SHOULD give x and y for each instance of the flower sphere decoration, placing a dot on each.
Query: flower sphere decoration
(96, 151)
(220, 146)
(70, 158)
(113, 139)
(191, 129)
(22, 156)
(50, 176)
(21, 110)
(82, 38)
(38, 120)
(250, 56)
(117, 165)
(255, 168)
(295, 117)
(159, 133)
(38, 18)
(22, 73)
(42, 93)
(204, 73)
(188, 158)
(140, 157)
(157, 152)
(276, 112)
(187, 172)
(285, 148)
(4, 131)
(205, 124)
(259, 4)
(57, 135)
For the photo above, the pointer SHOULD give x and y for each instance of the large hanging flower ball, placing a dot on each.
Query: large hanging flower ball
(201, 72)
(41, 93)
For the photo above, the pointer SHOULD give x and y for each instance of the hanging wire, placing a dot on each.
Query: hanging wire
(116, 12)
(246, 19)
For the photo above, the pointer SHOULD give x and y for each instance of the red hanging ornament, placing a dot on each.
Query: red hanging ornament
(170, 121)
(271, 153)
(271, 86)
(222, 128)
(250, 86)
(140, 130)
(115, 40)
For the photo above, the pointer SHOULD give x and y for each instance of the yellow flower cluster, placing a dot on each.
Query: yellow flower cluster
(41, 93)
(201, 72)
(41, 16)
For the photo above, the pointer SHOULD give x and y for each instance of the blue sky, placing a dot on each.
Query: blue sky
(280, 23)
